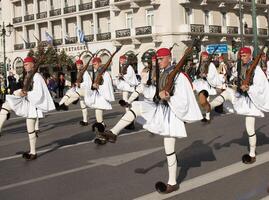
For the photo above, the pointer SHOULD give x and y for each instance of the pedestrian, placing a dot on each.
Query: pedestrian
(61, 85)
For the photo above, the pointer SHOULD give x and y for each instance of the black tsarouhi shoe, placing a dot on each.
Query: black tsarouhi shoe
(165, 188)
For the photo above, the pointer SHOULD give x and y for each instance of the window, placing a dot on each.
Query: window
(129, 20)
(187, 15)
(150, 17)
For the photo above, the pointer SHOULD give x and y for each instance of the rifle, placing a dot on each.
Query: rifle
(252, 67)
(105, 67)
(171, 48)
(81, 72)
(208, 62)
(170, 80)
(149, 81)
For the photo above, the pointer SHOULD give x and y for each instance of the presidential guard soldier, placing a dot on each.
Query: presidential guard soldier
(250, 98)
(148, 77)
(126, 82)
(77, 92)
(163, 114)
(207, 82)
(29, 103)
(99, 95)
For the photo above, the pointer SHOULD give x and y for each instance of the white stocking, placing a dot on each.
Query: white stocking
(250, 127)
(30, 123)
(169, 146)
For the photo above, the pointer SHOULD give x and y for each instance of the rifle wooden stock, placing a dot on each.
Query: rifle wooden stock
(81, 72)
(105, 67)
(252, 67)
(170, 80)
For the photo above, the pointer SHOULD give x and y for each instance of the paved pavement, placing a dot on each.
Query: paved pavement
(70, 166)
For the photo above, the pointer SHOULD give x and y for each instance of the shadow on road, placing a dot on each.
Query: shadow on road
(262, 139)
(190, 157)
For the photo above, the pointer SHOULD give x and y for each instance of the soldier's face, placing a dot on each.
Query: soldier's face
(204, 58)
(245, 57)
(96, 65)
(79, 66)
(164, 61)
(123, 61)
(28, 66)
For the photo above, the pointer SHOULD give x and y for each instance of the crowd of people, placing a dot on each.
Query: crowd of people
(201, 85)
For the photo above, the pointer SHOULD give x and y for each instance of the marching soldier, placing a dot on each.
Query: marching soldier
(207, 82)
(76, 93)
(126, 82)
(165, 116)
(250, 99)
(99, 95)
(29, 104)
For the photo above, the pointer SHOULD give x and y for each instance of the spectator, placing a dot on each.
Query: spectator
(52, 86)
(12, 83)
(61, 85)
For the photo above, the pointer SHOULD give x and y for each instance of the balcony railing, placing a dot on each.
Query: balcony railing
(29, 17)
(57, 42)
(71, 40)
(214, 29)
(118, 0)
(261, 1)
(85, 6)
(103, 36)
(17, 20)
(41, 15)
(232, 30)
(70, 9)
(123, 33)
(197, 28)
(144, 30)
(88, 38)
(55, 12)
(44, 43)
(248, 30)
(262, 31)
(30, 45)
(101, 3)
(18, 46)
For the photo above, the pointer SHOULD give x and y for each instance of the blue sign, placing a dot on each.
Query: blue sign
(221, 48)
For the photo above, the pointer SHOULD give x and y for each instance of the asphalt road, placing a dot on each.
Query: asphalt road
(70, 166)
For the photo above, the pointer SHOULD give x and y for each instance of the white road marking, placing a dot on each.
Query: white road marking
(115, 161)
(208, 178)
(68, 146)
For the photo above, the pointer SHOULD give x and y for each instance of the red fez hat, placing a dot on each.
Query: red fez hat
(96, 59)
(79, 62)
(28, 59)
(163, 52)
(204, 53)
(123, 57)
(245, 50)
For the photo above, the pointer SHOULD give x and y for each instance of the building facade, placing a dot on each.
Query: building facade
(137, 25)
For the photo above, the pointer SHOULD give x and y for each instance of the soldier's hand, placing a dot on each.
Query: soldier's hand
(244, 88)
(23, 93)
(95, 85)
(164, 95)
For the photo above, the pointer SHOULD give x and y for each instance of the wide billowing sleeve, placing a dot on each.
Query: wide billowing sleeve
(183, 102)
(259, 90)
